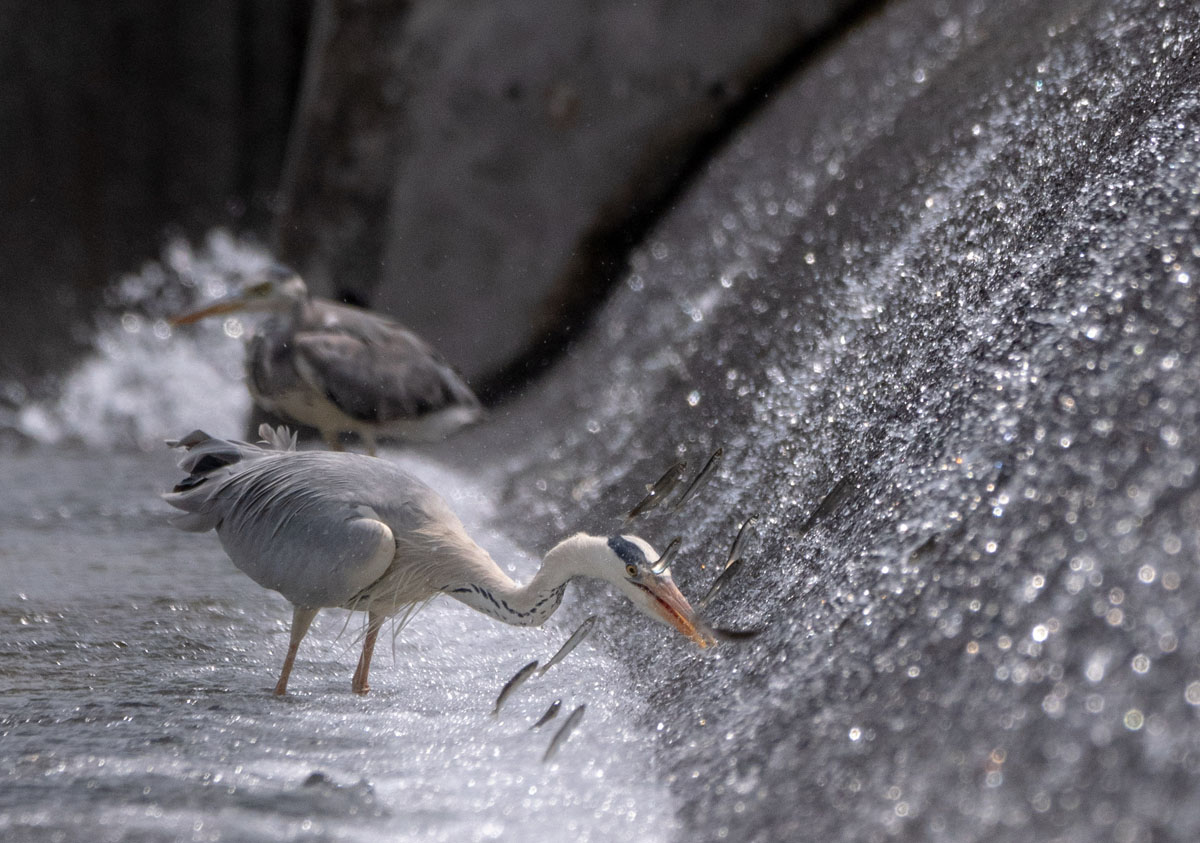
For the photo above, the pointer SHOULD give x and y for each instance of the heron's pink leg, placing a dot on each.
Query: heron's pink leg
(359, 683)
(302, 619)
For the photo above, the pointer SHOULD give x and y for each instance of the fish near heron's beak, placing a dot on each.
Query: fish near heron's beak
(226, 305)
(670, 606)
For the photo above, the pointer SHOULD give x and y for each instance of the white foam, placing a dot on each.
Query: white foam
(145, 381)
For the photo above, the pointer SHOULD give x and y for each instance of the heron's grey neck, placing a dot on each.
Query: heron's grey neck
(497, 596)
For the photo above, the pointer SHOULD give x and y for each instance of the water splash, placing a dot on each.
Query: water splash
(144, 380)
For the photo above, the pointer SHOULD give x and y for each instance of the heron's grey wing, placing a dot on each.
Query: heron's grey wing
(293, 527)
(389, 376)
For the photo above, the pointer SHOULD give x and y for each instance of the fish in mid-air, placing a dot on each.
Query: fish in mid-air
(700, 479)
(576, 637)
(658, 490)
(512, 684)
(563, 733)
(550, 714)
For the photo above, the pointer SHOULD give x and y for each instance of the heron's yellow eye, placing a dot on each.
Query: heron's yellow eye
(631, 570)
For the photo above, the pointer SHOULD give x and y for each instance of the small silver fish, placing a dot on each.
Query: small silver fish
(563, 733)
(512, 684)
(661, 487)
(735, 552)
(726, 575)
(700, 479)
(550, 714)
(664, 561)
(572, 642)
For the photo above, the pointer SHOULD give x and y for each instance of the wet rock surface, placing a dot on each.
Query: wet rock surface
(939, 306)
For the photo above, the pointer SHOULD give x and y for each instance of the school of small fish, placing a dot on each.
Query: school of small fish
(656, 495)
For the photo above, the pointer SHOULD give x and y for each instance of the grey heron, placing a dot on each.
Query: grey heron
(340, 368)
(345, 530)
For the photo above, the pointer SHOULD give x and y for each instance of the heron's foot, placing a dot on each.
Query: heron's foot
(280, 689)
(362, 690)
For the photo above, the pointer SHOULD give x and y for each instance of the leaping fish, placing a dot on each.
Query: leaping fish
(550, 714)
(658, 491)
(716, 587)
(700, 479)
(733, 562)
(514, 683)
(739, 543)
(563, 733)
(663, 562)
(572, 642)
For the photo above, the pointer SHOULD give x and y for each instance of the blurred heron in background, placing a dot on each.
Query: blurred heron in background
(349, 531)
(342, 369)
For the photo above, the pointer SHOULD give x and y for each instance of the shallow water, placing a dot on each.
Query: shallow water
(136, 666)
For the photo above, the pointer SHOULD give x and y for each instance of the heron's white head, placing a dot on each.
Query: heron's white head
(275, 289)
(631, 564)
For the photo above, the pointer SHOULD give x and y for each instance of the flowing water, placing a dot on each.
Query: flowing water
(136, 662)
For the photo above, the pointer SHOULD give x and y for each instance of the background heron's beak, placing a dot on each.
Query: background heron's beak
(672, 607)
(226, 305)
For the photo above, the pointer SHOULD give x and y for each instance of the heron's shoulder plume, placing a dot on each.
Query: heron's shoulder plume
(277, 438)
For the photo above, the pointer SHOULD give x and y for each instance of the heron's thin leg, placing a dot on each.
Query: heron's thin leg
(333, 439)
(368, 440)
(302, 619)
(359, 683)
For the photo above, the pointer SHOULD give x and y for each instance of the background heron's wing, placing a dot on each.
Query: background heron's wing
(386, 375)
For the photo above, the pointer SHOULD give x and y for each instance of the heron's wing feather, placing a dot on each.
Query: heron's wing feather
(297, 524)
(320, 527)
(386, 376)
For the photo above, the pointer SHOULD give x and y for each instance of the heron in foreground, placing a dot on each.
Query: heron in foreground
(343, 369)
(345, 530)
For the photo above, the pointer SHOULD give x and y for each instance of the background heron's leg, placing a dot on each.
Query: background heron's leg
(333, 440)
(359, 683)
(368, 440)
(302, 619)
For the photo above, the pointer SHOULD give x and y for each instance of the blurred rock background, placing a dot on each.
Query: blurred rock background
(479, 170)
(120, 123)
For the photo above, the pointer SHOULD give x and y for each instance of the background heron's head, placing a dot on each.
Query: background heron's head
(275, 289)
(630, 563)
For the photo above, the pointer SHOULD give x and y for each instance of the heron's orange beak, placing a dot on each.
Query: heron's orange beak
(672, 607)
(227, 305)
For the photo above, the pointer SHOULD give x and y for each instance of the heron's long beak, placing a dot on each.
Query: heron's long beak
(672, 607)
(225, 305)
